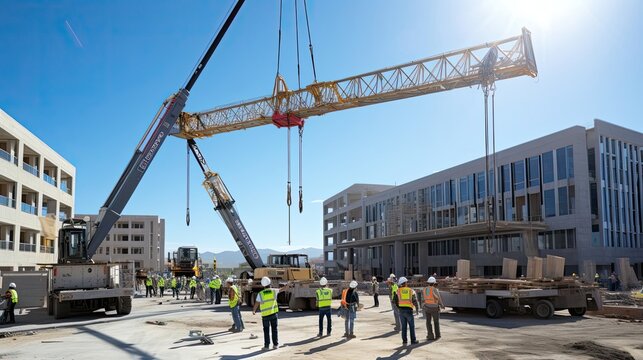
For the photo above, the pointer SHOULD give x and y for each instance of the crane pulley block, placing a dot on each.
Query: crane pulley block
(286, 120)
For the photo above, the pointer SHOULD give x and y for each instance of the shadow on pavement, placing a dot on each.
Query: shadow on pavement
(128, 348)
(401, 352)
(382, 336)
(325, 347)
(245, 356)
(509, 321)
(303, 342)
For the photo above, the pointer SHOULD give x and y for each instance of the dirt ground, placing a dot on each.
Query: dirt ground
(160, 331)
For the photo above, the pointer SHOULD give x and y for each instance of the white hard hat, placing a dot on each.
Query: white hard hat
(265, 281)
(374, 278)
(402, 280)
(193, 277)
(392, 276)
(12, 286)
(323, 281)
(229, 280)
(216, 276)
(431, 280)
(353, 284)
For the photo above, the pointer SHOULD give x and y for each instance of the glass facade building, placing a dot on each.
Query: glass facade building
(575, 193)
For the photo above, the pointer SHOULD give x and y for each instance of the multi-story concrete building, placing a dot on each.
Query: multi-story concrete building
(576, 193)
(137, 238)
(35, 182)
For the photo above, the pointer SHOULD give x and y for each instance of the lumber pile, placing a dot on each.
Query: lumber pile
(480, 285)
(534, 267)
(509, 268)
(464, 269)
(554, 267)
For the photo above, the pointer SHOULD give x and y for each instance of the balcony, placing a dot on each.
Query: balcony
(27, 247)
(6, 245)
(46, 249)
(28, 209)
(50, 180)
(6, 156)
(63, 187)
(5, 201)
(30, 169)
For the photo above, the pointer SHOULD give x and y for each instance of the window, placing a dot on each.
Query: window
(107, 250)
(550, 203)
(121, 251)
(138, 225)
(557, 239)
(444, 247)
(534, 171)
(506, 178)
(122, 237)
(137, 250)
(570, 162)
(519, 175)
(329, 256)
(563, 206)
(122, 225)
(565, 162)
(464, 189)
(137, 237)
(481, 185)
(548, 167)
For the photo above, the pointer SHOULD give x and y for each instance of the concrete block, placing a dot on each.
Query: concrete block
(587, 271)
(509, 268)
(555, 267)
(535, 267)
(464, 269)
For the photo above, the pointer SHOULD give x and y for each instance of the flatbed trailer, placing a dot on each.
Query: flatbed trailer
(521, 296)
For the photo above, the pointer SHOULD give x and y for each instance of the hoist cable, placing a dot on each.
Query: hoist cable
(310, 42)
(187, 210)
(279, 42)
(301, 182)
(297, 41)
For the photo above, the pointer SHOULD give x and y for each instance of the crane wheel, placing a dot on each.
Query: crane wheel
(124, 306)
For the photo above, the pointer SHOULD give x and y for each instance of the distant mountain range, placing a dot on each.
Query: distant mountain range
(231, 259)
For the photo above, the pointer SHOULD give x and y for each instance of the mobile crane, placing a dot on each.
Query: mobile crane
(479, 65)
(77, 284)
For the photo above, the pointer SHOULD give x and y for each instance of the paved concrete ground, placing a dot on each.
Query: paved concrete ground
(464, 336)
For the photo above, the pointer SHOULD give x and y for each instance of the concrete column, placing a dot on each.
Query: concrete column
(41, 166)
(399, 258)
(530, 243)
(386, 263)
(423, 255)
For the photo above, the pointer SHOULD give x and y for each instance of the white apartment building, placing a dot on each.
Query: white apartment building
(35, 181)
(137, 238)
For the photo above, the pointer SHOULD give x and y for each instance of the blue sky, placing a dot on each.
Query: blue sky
(87, 77)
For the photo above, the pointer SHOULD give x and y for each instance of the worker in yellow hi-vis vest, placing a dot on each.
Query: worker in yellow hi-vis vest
(234, 300)
(267, 302)
(406, 300)
(392, 283)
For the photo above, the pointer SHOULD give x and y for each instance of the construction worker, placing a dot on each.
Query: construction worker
(235, 306)
(597, 279)
(350, 303)
(173, 285)
(148, 286)
(324, 297)
(267, 302)
(12, 299)
(375, 288)
(192, 287)
(161, 284)
(431, 308)
(217, 288)
(406, 300)
(211, 286)
(392, 282)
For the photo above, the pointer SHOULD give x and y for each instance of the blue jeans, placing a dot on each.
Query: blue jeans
(270, 323)
(396, 315)
(236, 317)
(349, 321)
(325, 311)
(406, 318)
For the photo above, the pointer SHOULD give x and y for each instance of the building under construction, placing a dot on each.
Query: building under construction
(576, 193)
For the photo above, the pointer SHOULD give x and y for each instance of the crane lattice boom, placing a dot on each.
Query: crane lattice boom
(512, 57)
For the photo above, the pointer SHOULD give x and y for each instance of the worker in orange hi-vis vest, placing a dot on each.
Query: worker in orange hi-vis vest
(432, 302)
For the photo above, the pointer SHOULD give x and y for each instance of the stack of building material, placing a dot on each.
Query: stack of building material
(554, 267)
(626, 274)
(509, 268)
(588, 271)
(464, 269)
(534, 267)
(479, 285)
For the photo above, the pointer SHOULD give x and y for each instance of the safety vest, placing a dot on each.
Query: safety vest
(269, 304)
(429, 298)
(192, 283)
(161, 282)
(211, 284)
(233, 302)
(404, 297)
(217, 283)
(148, 282)
(394, 288)
(173, 283)
(344, 302)
(14, 296)
(324, 297)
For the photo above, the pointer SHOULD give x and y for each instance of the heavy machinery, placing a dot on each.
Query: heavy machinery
(291, 271)
(185, 262)
(76, 282)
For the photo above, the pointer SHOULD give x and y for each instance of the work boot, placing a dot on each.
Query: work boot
(265, 348)
(352, 336)
(345, 335)
(275, 346)
(414, 342)
(319, 334)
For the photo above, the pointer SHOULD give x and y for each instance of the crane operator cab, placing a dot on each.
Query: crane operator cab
(72, 241)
